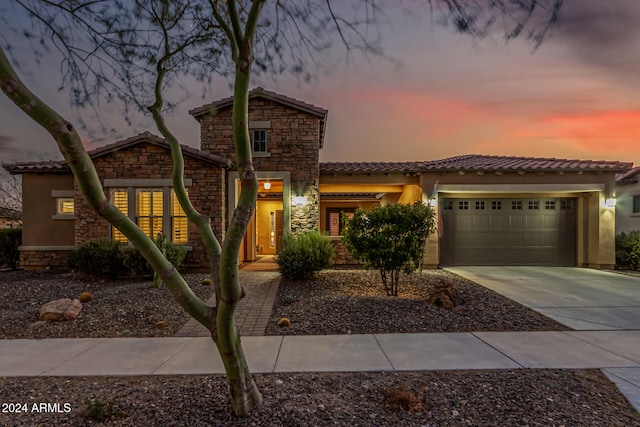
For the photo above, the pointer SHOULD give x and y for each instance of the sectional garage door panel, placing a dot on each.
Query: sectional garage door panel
(508, 232)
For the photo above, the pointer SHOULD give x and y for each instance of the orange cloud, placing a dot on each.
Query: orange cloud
(601, 133)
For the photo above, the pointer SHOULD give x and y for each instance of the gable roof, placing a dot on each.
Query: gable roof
(261, 93)
(629, 177)
(479, 163)
(369, 167)
(60, 166)
(475, 162)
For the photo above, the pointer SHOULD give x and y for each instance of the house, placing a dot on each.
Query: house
(628, 201)
(10, 218)
(494, 210)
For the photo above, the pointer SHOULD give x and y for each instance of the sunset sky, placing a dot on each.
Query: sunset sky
(438, 94)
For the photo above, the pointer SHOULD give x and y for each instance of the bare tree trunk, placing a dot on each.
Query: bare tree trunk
(244, 393)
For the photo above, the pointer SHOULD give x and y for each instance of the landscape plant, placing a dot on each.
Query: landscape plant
(628, 250)
(390, 238)
(10, 241)
(100, 258)
(303, 255)
(140, 267)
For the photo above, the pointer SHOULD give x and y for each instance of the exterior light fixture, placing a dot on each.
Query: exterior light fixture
(433, 203)
(266, 185)
(610, 203)
(299, 201)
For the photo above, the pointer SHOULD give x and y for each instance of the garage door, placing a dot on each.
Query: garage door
(508, 232)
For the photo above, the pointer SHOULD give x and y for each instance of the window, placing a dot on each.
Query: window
(447, 205)
(636, 204)
(550, 205)
(179, 223)
(149, 211)
(479, 206)
(565, 205)
(259, 141)
(156, 210)
(534, 205)
(496, 206)
(516, 206)
(120, 199)
(463, 205)
(336, 220)
(65, 206)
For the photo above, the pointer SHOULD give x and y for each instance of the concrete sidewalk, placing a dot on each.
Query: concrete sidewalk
(616, 352)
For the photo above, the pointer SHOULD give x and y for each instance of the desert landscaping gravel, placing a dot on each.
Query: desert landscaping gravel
(354, 302)
(120, 308)
(335, 302)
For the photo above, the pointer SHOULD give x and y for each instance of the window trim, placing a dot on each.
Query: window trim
(265, 142)
(635, 204)
(60, 196)
(132, 192)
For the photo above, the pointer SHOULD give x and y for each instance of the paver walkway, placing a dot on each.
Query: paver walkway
(260, 284)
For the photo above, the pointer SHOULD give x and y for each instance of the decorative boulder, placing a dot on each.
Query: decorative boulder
(62, 309)
(447, 295)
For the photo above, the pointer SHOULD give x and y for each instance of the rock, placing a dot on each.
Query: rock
(61, 309)
(447, 295)
(284, 322)
(161, 324)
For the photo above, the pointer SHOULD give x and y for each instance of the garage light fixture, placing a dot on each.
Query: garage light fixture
(610, 203)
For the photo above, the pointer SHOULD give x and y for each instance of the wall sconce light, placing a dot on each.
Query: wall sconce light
(266, 185)
(432, 203)
(610, 203)
(299, 201)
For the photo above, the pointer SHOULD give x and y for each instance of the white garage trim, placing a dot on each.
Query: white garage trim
(519, 188)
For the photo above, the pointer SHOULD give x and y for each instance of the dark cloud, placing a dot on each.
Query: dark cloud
(6, 142)
(603, 33)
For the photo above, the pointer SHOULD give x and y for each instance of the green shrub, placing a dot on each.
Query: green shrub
(628, 250)
(99, 411)
(390, 238)
(302, 256)
(139, 266)
(101, 258)
(10, 241)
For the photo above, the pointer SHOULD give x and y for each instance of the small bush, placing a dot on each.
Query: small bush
(139, 266)
(100, 411)
(391, 239)
(302, 256)
(101, 258)
(10, 241)
(85, 297)
(628, 250)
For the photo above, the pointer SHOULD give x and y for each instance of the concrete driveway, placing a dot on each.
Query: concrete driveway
(580, 298)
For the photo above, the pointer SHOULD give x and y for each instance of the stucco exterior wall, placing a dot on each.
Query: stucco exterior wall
(46, 237)
(626, 220)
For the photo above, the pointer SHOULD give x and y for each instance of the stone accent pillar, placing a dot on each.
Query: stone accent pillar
(306, 218)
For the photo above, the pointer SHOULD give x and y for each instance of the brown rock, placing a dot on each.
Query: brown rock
(73, 310)
(60, 309)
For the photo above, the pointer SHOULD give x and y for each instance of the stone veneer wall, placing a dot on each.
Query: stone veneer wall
(39, 260)
(341, 256)
(306, 218)
(293, 144)
(148, 161)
